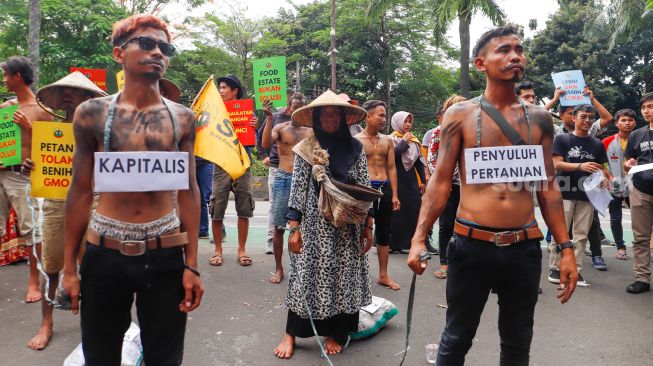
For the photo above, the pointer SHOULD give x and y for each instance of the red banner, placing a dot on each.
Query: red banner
(241, 113)
(97, 76)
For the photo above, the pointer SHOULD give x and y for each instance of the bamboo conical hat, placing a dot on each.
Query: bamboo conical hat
(304, 115)
(50, 95)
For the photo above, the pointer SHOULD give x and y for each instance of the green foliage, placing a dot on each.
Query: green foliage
(72, 34)
(616, 76)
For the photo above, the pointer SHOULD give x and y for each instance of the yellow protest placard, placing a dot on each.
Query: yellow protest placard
(215, 138)
(52, 152)
(120, 79)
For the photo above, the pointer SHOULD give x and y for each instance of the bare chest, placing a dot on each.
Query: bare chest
(151, 130)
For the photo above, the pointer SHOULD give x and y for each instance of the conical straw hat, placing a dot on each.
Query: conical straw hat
(50, 95)
(304, 115)
(172, 91)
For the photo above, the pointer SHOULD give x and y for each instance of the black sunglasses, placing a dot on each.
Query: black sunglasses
(148, 44)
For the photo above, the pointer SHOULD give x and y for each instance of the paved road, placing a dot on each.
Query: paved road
(241, 319)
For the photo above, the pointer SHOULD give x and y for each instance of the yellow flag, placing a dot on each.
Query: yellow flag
(215, 138)
(52, 152)
(120, 79)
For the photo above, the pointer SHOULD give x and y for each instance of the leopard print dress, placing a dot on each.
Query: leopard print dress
(332, 268)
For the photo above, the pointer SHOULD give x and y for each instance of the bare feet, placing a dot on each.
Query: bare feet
(41, 339)
(331, 346)
(388, 282)
(33, 293)
(277, 276)
(285, 349)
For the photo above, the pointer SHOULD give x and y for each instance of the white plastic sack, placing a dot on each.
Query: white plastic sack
(132, 351)
(373, 317)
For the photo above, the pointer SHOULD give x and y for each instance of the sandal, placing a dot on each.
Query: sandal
(216, 260)
(441, 274)
(244, 260)
(622, 255)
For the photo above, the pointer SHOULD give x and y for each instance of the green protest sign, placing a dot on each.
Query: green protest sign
(9, 137)
(270, 81)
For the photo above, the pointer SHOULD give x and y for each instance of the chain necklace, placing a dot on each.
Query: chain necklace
(372, 141)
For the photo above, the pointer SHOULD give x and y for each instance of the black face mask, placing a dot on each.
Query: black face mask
(343, 149)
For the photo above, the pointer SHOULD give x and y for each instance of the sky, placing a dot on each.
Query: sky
(518, 11)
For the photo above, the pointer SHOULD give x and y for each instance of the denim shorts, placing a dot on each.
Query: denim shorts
(280, 196)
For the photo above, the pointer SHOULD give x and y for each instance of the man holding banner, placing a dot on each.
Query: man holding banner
(134, 148)
(223, 183)
(65, 94)
(18, 75)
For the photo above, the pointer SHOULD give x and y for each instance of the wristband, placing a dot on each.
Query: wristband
(193, 270)
(561, 247)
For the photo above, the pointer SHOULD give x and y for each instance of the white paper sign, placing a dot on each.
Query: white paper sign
(640, 168)
(141, 171)
(599, 198)
(504, 164)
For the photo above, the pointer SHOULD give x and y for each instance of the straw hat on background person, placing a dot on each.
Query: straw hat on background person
(50, 95)
(170, 90)
(304, 115)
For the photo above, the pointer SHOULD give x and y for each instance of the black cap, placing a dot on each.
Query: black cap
(233, 82)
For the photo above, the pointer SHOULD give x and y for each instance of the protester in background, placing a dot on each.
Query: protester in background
(448, 217)
(270, 155)
(283, 136)
(576, 156)
(615, 146)
(639, 151)
(65, 94)
(410, 180)
(18, 75)
(427, 138)
(135, 247)
(379, 152)
(222, 184)
(329, 271)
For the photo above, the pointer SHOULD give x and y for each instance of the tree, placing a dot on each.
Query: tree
(152, 6)
(33, 38)
(237, 34)
(622, 18)
(445, 11)
(616, 76)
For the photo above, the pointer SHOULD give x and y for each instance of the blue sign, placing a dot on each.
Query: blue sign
(573, 83)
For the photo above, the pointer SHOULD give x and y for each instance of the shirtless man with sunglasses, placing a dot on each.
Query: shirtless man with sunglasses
(134, 244)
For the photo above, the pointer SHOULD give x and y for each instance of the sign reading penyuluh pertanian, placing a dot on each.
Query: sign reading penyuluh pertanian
(10, 137)
(141, 171)
(504, 164)
(53, 145)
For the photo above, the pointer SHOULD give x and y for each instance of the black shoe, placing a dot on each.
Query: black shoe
(203, 235)
(638, 287)
(554, 276)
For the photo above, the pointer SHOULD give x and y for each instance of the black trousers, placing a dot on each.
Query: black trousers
(446, 222)
(109, 282)
(475, 267)
(595, 235)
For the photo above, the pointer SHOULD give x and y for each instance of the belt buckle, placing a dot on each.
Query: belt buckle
(501, 233)
(126, 245)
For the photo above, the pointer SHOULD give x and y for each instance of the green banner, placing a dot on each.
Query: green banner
(270, 81)
(9, 137)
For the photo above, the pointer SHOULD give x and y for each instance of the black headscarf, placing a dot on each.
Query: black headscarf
(343, 149)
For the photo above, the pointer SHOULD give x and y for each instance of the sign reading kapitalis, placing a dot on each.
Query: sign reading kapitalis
(141, 171)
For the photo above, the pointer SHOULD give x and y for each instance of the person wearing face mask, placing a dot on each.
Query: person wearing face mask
(329, 271)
